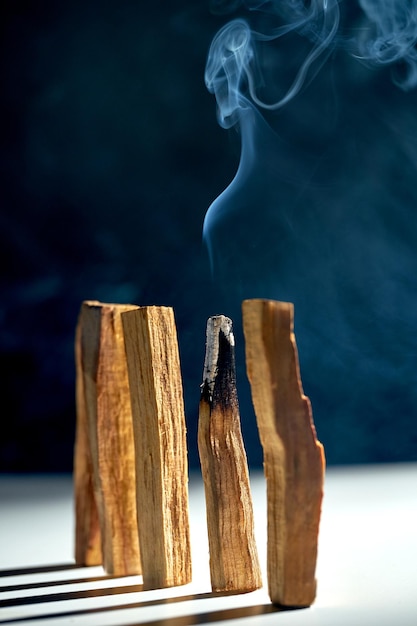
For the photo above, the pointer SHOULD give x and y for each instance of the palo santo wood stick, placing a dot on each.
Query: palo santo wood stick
(234, 562)
(87, 529)
(110, 433)
(160, 439)
(293, 458)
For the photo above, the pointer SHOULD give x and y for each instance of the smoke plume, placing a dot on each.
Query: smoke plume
(322, 209)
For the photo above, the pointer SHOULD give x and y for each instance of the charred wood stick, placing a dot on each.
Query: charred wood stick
(293, 457)
(103, 393)
(234, 562)
(160, 440)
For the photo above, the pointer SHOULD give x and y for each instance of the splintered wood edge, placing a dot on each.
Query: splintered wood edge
(293, 458)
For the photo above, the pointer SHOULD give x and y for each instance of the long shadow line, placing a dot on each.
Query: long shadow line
(40, 569)
(117, 607)
(70, 595)
(56, 583)
(197, 618)
(215, 616)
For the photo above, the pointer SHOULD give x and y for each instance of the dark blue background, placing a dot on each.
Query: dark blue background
(111, 155)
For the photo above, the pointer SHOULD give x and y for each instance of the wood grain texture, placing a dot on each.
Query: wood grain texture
(234, 564)
(161, 451)
(293, 458)
(87, 529)
(110, 433)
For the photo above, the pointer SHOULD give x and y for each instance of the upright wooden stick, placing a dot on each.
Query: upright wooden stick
(103, 392)
(160, 439)
(87, 529)
(293, 458)
(234, 562)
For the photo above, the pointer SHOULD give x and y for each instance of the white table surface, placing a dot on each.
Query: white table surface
(367, 565)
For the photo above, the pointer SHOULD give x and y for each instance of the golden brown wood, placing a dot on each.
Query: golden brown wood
(110, 433)
(293, 458)
(87, 530)
(234, 562)
(161, 452)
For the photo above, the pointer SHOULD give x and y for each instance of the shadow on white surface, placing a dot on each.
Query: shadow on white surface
(367, 565)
